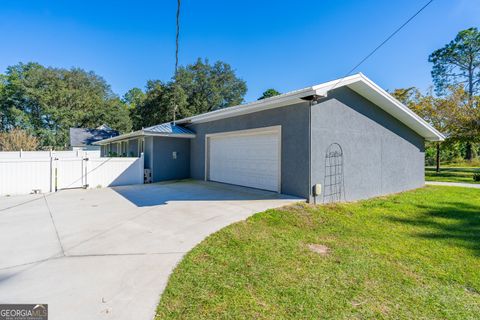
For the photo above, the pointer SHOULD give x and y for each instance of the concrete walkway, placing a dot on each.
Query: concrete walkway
(453, 184)
(107, 253)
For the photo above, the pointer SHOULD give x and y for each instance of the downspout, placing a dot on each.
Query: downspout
(310, 193)
(312, 100)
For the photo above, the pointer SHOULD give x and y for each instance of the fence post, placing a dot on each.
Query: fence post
(142, 168)
(85, 172)
(52, 178)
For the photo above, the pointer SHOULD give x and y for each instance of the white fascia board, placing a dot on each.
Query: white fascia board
(372, 92)
(143, 133)
(260, 105)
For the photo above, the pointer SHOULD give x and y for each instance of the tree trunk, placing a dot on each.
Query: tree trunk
(469, 151)
(438, 157)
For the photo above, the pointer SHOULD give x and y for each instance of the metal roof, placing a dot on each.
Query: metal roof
(168, 128)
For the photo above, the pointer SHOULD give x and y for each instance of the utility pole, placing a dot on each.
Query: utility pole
(176, 64)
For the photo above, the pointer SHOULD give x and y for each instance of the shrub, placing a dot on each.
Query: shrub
(476, 176)
(17, 139)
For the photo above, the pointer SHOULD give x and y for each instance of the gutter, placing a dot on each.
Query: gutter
(142, 133)
(255, 106)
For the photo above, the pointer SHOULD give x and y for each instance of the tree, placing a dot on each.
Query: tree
(134, 99)
(210, 87)
(46, 102)
(428, 107)
(269, 93)
(197, 88)
(16, 140)
(458, 64)
(453, 114)
(156, 106)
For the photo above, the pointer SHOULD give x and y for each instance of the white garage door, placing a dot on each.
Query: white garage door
(248, 158)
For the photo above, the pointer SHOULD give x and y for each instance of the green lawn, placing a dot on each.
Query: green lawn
(414, 255)
(451, 174)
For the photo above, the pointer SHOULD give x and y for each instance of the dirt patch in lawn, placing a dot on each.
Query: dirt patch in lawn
(319, 248)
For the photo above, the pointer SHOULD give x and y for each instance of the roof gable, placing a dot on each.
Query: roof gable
(358, 83)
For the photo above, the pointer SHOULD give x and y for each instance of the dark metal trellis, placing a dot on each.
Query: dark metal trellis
(334, 184)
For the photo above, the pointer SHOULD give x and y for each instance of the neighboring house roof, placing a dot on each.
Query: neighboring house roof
(358, 83)
(81, 137)
(165, 129)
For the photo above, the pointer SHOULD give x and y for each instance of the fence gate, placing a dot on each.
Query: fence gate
(48, 174)
(70, 173)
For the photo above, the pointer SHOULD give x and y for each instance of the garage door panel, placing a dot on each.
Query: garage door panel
(251, 160)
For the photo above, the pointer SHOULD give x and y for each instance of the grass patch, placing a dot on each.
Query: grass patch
(451, 174)
(414, 255)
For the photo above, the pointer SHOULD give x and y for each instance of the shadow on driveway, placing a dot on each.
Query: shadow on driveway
(193, 190)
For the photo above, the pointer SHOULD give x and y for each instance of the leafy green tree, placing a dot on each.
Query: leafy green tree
(448, 114)
(458, 64)
(3, 111)
(134, 99)
(46, 102)
(210, 87)
(269, 93)
(157, 105)
(197, 88)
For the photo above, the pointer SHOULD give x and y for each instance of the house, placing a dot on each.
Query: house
(346, 139)
(83, 139)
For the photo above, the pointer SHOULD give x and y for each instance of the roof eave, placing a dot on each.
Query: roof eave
(359, 83)
(259, 105)
(120, 137)
(142, 133)
(172, 135)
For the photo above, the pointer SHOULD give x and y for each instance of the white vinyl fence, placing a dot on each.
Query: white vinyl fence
(26, 175)
(49, 154)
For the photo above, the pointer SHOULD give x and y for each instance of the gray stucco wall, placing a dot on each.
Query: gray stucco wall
(148, 152)
(295, 147)
(381, 155)
(164, 166)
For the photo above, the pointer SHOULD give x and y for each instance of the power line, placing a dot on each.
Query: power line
(177, 36)
(383, 42)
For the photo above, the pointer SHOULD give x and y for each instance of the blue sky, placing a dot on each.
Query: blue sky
(281, 44)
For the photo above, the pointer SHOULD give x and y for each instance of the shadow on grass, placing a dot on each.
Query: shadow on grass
(455, 224)
(450, 174)
(464, 170)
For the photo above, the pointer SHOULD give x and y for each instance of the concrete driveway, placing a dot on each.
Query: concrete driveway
(107, 253)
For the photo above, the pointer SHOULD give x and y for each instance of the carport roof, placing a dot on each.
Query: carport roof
(167, 129)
